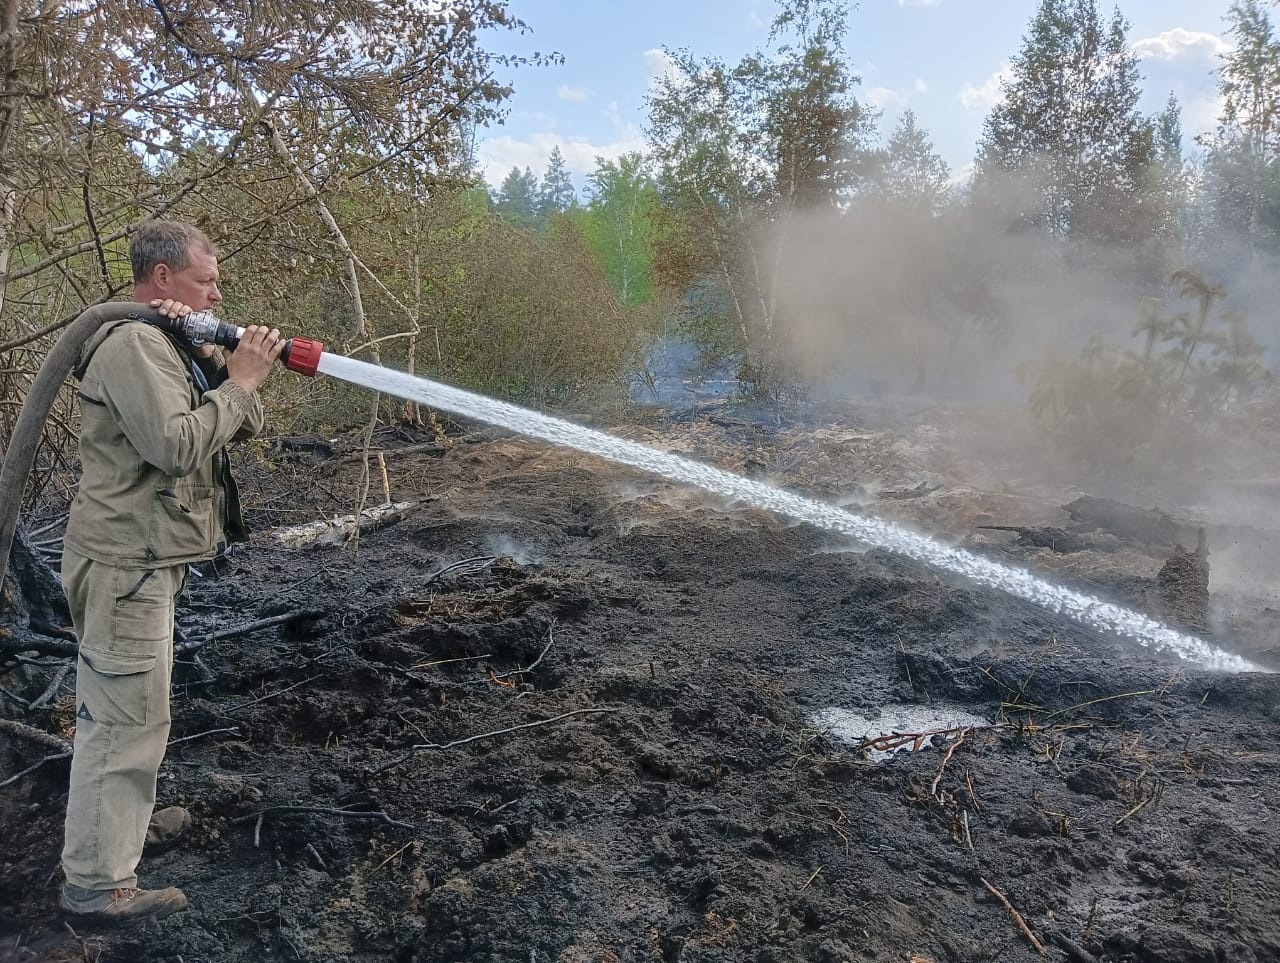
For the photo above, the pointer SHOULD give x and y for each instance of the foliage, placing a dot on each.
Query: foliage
(621, 224)
(1197, 381)
(1068, 128)
(739, 149)
(518, 199)
(1244, 152)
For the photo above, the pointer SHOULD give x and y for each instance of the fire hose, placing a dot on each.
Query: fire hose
(299, 354)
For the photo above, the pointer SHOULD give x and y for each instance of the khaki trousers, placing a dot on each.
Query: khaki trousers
(124, 619)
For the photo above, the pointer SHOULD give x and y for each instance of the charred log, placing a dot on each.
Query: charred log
(1149, 526)
(1055, 539)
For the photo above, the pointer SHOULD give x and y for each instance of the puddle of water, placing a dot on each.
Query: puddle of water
(897, 728)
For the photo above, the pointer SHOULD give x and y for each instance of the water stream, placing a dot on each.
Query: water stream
(1100, 615)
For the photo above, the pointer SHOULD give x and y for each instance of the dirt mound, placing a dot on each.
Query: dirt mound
(596, 739)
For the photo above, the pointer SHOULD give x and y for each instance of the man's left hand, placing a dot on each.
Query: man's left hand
(176, 309)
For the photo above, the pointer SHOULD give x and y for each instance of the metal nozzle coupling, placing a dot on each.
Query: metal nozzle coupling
(299, 354)
(203, 326)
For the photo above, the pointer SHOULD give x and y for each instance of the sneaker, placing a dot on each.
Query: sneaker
(123, 905)
(167, 826)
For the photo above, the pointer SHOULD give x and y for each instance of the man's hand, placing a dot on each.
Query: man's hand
(250, 363)
(176, 309)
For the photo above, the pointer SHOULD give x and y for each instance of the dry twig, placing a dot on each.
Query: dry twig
(18, 775)
(485, 735)
(933, 790)
(48, 694)
(246, 629)
(551, 641)
(1017, 917)
(324, 811)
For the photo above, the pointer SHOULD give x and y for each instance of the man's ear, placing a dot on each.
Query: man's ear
(160, 275)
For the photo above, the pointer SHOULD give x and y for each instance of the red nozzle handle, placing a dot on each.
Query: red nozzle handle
(302, 355)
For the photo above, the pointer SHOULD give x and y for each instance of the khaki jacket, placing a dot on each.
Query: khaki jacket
(156, 487)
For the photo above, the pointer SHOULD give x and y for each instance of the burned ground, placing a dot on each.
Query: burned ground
(595, 739)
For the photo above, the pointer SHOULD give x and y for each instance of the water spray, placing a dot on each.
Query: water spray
(1096, 613)
(308, 357)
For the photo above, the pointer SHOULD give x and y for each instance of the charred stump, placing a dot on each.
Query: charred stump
(34, 616)
(1182, 587)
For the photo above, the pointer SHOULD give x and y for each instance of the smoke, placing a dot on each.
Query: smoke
(955, 314)
(504, 546)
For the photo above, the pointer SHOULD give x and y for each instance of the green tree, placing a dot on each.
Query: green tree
(1068, 126)
(620, 225)
(911, 172)
(556, 194)
(739, 149)
(517, 199)
(1243, 169)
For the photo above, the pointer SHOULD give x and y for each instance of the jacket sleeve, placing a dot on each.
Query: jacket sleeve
(144, 385)
(253, 416)
(215, 373)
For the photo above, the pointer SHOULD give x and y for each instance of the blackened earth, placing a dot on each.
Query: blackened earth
(638, 668)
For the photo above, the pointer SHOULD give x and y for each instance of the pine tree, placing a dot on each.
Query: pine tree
(517, 199)
(557, 193)
(911, 172)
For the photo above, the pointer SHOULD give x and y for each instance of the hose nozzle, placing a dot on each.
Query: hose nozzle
(300, 354)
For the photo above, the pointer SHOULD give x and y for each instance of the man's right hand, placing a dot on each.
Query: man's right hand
(250, 363)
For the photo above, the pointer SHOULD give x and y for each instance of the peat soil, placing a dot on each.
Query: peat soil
(567, 712)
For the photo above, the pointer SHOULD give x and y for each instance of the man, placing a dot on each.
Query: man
(155, 495)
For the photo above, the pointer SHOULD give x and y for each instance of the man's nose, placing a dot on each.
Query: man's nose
(215, 296)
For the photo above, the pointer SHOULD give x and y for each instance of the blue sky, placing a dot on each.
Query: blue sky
(940, 58)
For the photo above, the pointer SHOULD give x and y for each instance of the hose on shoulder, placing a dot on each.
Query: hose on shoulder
(27, 430)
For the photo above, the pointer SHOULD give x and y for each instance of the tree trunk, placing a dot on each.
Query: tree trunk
(11, 104)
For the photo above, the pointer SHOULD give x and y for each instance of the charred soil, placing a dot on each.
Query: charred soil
(596, 738)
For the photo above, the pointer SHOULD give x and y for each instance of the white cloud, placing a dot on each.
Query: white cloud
(960, 179)
(1183, 62)
(922, 85)
(883, 98)
(1180, 43)
(499, 154)
(574, 95)
(987, 94)
(659, 65)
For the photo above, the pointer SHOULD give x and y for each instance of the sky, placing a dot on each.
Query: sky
(942, 59)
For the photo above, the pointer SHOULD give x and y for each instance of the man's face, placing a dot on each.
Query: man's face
(196, 284)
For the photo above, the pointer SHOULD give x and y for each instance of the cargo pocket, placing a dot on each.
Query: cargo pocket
(183, 525)
(115, 688)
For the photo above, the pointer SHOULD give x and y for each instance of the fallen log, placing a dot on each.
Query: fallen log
(339, 529)
(1149, 526)
(1055, 539)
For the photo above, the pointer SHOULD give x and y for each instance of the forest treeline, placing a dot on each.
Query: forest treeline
(328, 149)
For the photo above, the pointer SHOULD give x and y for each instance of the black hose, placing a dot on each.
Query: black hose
(28, 428)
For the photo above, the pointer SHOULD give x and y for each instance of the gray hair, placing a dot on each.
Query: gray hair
(165, 242)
